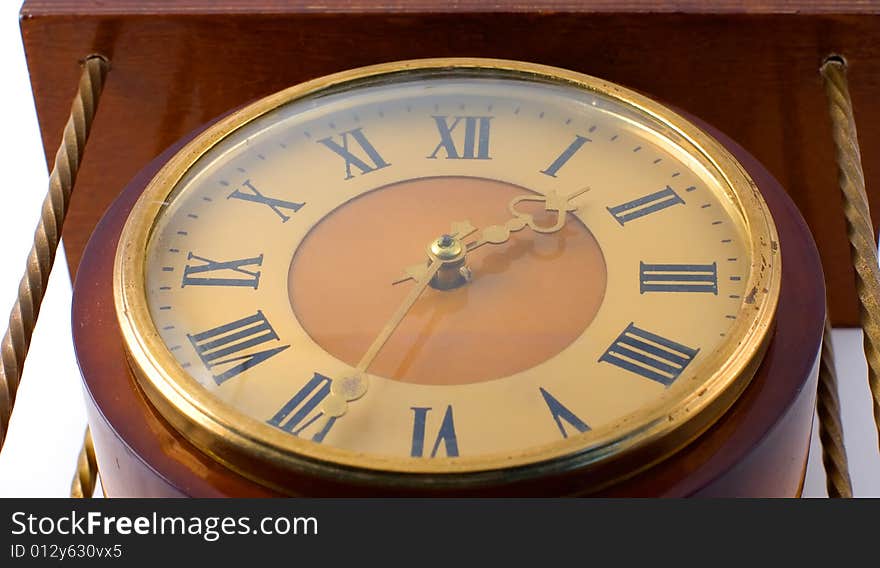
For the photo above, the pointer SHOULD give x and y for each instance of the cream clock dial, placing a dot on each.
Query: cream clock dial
(447, 267)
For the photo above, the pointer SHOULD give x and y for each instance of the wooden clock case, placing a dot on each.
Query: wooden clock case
(749, 68)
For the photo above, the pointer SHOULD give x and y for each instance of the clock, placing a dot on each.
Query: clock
(451, 277)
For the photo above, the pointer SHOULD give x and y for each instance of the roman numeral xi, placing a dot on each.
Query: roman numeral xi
(357, 151)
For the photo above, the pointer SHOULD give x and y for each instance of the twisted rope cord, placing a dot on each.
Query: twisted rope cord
(863, 248)
(830, 429)
(47, 235)
(86, 476)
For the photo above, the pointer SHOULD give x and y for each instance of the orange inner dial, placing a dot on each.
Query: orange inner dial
(528, 298)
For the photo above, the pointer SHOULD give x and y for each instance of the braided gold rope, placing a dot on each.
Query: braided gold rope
(83, 485)
(32, 287)
(863, 247)
(830, 429)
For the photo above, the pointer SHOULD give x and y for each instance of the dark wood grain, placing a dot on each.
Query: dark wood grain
(758, 448)
(750, 68)
(433, 6)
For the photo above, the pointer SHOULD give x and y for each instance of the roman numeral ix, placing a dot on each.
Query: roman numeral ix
(201, 274)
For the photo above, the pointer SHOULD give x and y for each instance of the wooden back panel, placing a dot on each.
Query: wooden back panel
(749, 68)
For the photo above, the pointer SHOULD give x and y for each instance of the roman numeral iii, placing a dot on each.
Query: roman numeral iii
(473, 144)
(368, 159)
(229, 348)
(645, 205)
(301, 411)
(678, 278)
(225, 273)
(649, 355)
(445, 435)
(248, 192)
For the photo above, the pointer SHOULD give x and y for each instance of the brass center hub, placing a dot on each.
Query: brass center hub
(446, 247)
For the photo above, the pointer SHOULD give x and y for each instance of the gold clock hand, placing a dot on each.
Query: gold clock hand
(444, 250)
(499, 234)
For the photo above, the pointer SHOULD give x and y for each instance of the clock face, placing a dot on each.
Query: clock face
(443, 271)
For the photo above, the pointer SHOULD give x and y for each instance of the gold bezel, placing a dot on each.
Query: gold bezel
(268, 455)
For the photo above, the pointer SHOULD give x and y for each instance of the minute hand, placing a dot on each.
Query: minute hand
(353, 387)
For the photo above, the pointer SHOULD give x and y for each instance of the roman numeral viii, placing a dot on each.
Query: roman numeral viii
(473, 143)
(301, 411)
(248, 192)
(678, 278)
(645, 205)
(369, 159)
(225, 273)
(229, 348)
(649, 355)
(446, 434)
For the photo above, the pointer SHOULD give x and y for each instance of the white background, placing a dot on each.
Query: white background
(40, 453)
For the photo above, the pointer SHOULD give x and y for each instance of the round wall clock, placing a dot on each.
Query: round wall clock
(451, 277)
